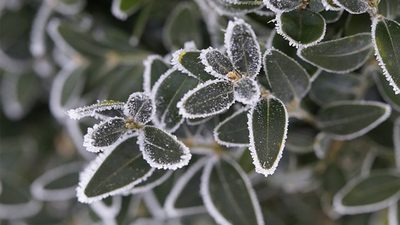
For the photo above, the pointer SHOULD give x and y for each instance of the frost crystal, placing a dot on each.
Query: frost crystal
(217, 64)
(91, 110)
(140, 108)
(246, 91)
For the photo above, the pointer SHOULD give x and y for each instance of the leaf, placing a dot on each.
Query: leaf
(162, 150)
(353, 6)
(91, 110)
(113, 172)
(368, 193)
(282, 5)
(267, 122)
(103, 135)
(316, 6)
(301, 27)
(157, 178)
(346, 120)
(184, 198)
(388, 8)
(394, 213)
(228, 195)
(331, 16)
(246, 91)
(386, 91)
(287, 79)
(341, 55)
(124, 8)
(154, 67)
(331, 87)
(233, 131)
(168, 90)
(216, 63)
(189, 62)
(234, 8)
(58, 184)
(385, 34)
(140, 107)
(182, 25)
(242, 48)
(209, 98)
(300, 138)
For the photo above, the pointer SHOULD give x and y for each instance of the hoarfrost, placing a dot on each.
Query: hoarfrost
(91, 110)
(246, 91)
(216, 63)
(140, 107)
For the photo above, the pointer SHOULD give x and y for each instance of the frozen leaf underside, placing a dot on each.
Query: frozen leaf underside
(207, 99)
(162, 150)
(268, 121)
(386, 36)
(342, 55)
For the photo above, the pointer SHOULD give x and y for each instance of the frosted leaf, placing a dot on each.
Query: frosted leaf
(353, 6)
(282, 5)
(140, 107)
(162, 150)
(233, 131)
(246, 91)
(157, 178)
(243, 48)
(208, 98)
(91, 110)
(189, 62)
(104, 134)
(234, 8)
(216, 63)
(154, 67)
(329, 5)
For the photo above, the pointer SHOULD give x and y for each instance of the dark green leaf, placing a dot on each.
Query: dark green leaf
(268, 121)
(348, 120)
(154, 67)
(246, 91)
(182, 25)
(228, 195)
(354, 6)
(368, 193)
(387, 91)
(190, 63)
(341, 56)
(216, 63)
(316, 6)
(104, 134)
(331, 16)
(113, 172)
(233, 131)
(388, 8)
(301, 27)
(232, 8)
(140, 107)
(242, 48)
(162, 150)
(157, 178)
(331, 87)
(287, 79)
(282, 5)
(168, 90)
(385, 35)
(209, 98)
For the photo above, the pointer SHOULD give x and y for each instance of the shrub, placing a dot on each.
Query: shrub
(201, 112)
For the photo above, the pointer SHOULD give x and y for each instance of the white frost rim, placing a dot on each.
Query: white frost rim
(147, 71)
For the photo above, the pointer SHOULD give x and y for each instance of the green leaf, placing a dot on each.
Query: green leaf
(233, 131)
(103, 135)
(140, 107)
(113, 172)
(267, 122)
(189, 62)
(282, 5)
(385, 36)
(316, 6)
(154, 67)
(234, 8)
(341, 55)
(58, 184)
(301, 27)
(168, 90)
(242, 48)
(388, 8)
(331, 16)
(386, 91)
(353, 6)
(124, 8)
(207, 99)
(181, 26)
(246, 91)
(91, 110)
(216, 63)
(228, 195)
(287, 79)
(346, 120)
(162, 150)
(331, 87)
(156, 178)
(368, 193)
(184, 197)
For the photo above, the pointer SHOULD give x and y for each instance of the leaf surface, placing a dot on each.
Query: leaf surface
(154, 67)
(246, 91)
(282, 5)
(353, 6)
(189, 62)
(233, 131)
(216, 63)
